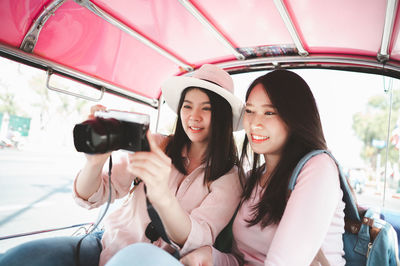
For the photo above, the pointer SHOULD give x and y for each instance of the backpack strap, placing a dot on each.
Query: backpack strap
(350, 210)
(359, 233)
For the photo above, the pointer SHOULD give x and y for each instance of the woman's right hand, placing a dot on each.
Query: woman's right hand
(201, 256)
(94, 109)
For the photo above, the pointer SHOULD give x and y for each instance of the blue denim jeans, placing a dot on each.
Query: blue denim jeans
(61, 251)
(143, 254)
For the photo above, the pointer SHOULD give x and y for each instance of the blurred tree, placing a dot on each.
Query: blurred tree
(371, 127)
(43, 103)
(7, 103)
(7, 99)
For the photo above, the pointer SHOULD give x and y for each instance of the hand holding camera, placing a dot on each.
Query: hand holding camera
(111, 130)
(154, 169)
(103, 132)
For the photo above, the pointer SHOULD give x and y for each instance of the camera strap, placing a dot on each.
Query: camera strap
(158, 226)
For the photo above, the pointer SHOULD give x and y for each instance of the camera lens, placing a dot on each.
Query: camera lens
(98, 135)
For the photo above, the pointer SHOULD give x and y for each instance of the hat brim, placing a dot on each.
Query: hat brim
(173, 87)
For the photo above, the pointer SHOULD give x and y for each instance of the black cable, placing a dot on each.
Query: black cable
(78, 246)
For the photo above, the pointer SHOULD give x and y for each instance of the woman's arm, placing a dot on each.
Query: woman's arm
(214, 212)
(308, 214)
(89, 178)
(154, 169)
(203, 224)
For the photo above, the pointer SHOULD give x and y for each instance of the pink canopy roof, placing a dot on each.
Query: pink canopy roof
(131, 46)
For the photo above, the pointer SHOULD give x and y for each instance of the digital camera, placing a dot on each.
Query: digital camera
(112, 130)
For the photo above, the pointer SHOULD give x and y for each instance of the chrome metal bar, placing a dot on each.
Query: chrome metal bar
(117, 23)
(32, 36)
(390, 16)
(203, 20)
(320, 60)
(290, 26)
(50, 72)
(74, 73)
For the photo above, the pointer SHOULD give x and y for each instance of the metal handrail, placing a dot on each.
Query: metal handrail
(50, 72)
(44, 64)
(32, 36)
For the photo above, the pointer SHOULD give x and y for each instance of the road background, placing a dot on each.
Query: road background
(36, 194)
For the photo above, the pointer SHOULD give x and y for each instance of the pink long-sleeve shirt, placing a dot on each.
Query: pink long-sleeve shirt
(209, 207)
(313, 219)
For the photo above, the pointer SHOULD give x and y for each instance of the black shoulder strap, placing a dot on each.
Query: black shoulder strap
(350, 210)
(224, 240)
(158, 226)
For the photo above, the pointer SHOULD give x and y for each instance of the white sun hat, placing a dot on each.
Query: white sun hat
(209, 77)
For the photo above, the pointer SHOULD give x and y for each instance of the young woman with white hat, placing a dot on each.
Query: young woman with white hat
(191, 177)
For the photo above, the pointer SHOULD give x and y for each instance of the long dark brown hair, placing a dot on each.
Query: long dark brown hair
(296, 106)
(221, 153)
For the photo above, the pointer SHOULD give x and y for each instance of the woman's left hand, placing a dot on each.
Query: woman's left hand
(201, 256)
(153, 168)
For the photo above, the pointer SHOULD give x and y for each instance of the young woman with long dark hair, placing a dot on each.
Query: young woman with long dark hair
(282, 124)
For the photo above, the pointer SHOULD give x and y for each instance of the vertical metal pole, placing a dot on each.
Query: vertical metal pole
(390, 90)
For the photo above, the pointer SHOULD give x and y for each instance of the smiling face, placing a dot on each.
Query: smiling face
(266, 131)
(196, 116)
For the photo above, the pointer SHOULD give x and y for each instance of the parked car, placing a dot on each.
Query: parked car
(357, 179)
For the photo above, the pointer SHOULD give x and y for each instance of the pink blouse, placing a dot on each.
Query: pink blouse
(313, 219)
(210, 208)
